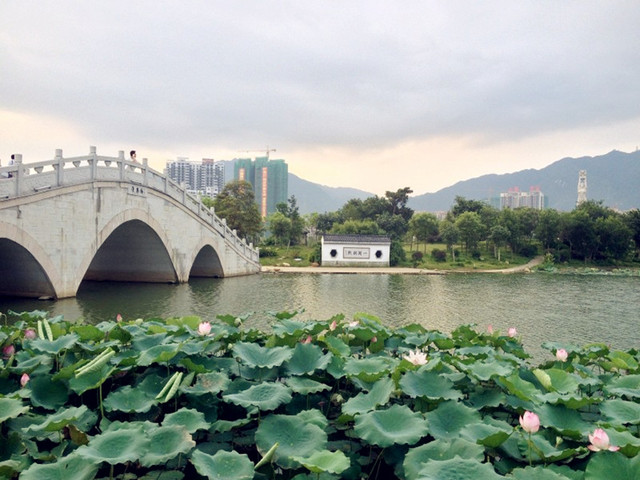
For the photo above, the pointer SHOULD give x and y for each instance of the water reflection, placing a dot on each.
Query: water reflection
(542, 307)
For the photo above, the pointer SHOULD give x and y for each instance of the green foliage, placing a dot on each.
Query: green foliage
(324, 399)
(439, 255)
(236, 204)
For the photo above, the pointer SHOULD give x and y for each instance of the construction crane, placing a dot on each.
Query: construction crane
(267, 151)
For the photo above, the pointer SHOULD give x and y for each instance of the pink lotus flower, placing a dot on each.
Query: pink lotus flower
(30, 334)
(204, 328)
(512, 332)
(118, 318)
(416, 357)
(600, 441)
(333, 326)
(530, 422)
(490, 329)
(562, 355)
(8, 351)
(24, 379)
(307, 340)
(374, 339)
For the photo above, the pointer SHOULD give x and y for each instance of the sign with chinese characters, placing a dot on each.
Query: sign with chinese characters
(356, 252)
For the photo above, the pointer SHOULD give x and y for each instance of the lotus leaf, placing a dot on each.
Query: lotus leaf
(490, 432)
(64, 342)
(295, 438)
(537, 473)
(623, 360)
(143, 341)
(35, 365)
(369, 369)
(265, 396)
(165, 443)
(565, 420)
(440, 450)
(73, 466)
(212, 383)
(128, 399)
(487, 398)
(305, 386)
(427, 384)
(126, 444)
(47, 393)
(395, 425)
(158, 354)
(223, 465)
(483, 371)
(257, 356)
(287, 327)
(11, 408)
(457, 469)
(313, 416)
(627, 385)
(364, 402)
(325, 461)
(556, 380)
(307, 358)
(521, 388)
(90, 380)
(448, 420)
(604, 464)
(60, 419)
(88, 333)
(337, 347)
(191, 420)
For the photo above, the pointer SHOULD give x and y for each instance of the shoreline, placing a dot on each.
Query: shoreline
(526, 268)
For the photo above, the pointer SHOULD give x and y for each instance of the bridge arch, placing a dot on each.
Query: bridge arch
(206, 261)
(25, 268)
(131, 247)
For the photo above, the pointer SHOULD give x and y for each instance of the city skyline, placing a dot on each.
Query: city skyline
(369, 95)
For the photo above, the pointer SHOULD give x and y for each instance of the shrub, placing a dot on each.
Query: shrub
(529, 250)
(268, 252)
(439, 255)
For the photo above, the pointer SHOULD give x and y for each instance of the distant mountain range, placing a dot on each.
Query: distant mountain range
(613, 178)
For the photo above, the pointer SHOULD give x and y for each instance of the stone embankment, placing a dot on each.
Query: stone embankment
(397, 270)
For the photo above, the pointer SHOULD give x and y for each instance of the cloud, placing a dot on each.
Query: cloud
(357, 77)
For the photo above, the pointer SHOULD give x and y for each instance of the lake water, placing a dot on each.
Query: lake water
(566, 308)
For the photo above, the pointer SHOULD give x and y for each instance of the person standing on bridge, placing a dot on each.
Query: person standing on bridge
(132, 154)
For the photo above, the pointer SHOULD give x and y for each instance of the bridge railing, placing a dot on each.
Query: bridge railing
(24, 179)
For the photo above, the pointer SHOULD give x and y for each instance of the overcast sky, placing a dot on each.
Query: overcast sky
(365, 94)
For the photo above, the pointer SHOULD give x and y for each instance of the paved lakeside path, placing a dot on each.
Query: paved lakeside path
(398, 270)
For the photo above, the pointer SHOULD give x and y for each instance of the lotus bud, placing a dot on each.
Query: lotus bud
(30, 334)
(561, 354)
(8, 351)
(24, 379)
(530, 422)
(512, 332)
(204, 328)
(600, 441)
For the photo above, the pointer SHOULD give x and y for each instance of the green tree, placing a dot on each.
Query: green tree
(236, 204)
(424, 226)
(499, 236)
(614, 237)
(471, 230)
(290, 210)
(357, 227)
(632, 219)
(280, 228)
(398, 203)
(462, 205)
(548, 228)
(450, 235)
(393, 225)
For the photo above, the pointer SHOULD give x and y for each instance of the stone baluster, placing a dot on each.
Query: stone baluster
(121, 164)
(145, 169)
(94, 161)
(59, 166)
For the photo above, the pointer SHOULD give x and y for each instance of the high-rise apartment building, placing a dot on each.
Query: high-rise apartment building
(205, 178)
(270, 180)
(514, 198)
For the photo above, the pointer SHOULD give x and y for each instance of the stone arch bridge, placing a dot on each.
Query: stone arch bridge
(100, 218)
